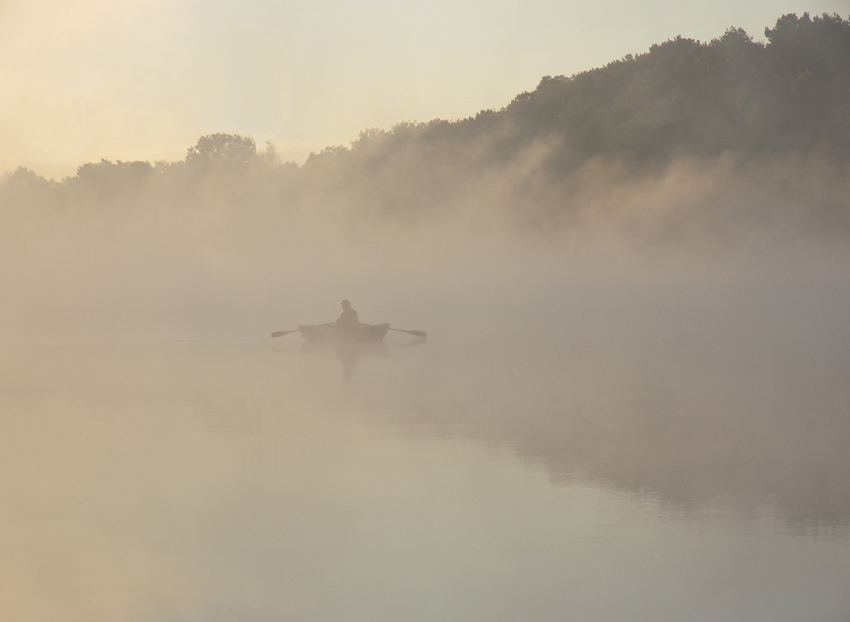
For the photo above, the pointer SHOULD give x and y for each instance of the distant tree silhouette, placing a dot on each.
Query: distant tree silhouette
(24, 189)
(108, 181)
(223, 152)
(25, 179)
(113, 174)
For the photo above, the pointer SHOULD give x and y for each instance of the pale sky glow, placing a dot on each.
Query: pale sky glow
(82, 80)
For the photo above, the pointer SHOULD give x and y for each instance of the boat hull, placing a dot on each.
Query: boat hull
(365, 333)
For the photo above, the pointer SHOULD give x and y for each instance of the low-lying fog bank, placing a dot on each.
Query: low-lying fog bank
(219, 256)
(681, 332)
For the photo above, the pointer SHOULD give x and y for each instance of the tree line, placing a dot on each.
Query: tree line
(789, 95)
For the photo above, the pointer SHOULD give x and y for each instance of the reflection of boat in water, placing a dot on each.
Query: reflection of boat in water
(349, 349)
(343, 348)
(337, 335)
(347, 343)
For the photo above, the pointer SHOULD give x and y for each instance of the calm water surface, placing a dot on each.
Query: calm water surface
(613, 477)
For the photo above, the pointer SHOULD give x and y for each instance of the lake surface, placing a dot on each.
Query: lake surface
(664, 469)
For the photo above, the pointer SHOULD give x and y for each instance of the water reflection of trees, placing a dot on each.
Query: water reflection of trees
(696, 424)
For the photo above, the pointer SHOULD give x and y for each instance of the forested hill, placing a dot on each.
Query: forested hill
(787, 99)
(681, 97)
(730, 93)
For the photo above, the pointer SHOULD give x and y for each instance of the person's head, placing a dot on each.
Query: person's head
(345, 304)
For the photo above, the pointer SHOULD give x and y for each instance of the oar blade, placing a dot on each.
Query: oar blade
(415, 333)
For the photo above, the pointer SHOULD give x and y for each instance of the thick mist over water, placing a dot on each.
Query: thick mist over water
(683, 332)
(661, 373)
(632, 402)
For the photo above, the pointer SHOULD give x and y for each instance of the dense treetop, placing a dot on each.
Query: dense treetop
(683, 96)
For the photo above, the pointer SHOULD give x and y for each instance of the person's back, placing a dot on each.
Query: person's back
(348, 320)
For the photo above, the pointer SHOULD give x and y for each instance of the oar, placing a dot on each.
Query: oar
(281, 333)
(415, 333)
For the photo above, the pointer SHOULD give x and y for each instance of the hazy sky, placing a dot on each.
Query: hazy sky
(82, 80)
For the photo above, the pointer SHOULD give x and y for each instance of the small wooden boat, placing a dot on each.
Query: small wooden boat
(329, 333)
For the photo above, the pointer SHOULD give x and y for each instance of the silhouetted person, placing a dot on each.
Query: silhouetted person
(348, 321)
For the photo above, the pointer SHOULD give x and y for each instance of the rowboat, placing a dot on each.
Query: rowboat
(329, 333)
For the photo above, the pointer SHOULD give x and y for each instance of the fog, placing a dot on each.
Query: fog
(669, 349)
(681, 331)
(632, 401)
(225, 256)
